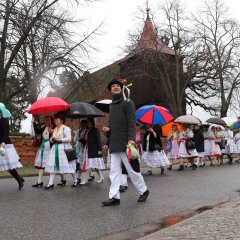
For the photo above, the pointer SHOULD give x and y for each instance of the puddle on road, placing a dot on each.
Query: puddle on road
(146, 229)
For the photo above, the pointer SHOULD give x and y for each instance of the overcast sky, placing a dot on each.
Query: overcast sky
(119, 17)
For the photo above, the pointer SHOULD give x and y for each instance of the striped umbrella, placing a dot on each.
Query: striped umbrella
(153, 114)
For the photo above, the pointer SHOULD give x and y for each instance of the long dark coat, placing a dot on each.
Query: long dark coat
(4, 131)
(153, 142)
(122, 123)
(94, 142)
(199, 140)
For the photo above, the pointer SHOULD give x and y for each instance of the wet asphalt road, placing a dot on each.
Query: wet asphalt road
(71, 214)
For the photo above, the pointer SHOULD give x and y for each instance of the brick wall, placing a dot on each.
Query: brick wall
(24, 148)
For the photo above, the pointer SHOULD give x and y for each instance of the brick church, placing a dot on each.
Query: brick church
(136, 68)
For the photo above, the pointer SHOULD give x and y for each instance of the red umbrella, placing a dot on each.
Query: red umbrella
(48, 105)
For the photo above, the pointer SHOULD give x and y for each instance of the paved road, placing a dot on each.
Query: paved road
(71, 214)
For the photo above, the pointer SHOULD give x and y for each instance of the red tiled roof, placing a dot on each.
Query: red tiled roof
(150, 40)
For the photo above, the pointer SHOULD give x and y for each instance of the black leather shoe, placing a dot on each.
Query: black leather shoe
(62, 183)
(38, 185)
(170, 167)
(111, 202)
(149, 172)
(181, 167)
(194, 167)
(91, 178)
(122, 188)
(144, 197)
(78, 180)
(74, 185)
(49, 187)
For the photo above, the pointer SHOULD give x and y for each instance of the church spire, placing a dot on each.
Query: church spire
(148, 10)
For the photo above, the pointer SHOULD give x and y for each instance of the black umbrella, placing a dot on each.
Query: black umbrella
(103, 105)
(83, 110)
(216, 121)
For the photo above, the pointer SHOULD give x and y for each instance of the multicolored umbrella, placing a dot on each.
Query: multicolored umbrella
(235, 125)
(229, 120)
(6, 113)
(48, 105)
(153, 114)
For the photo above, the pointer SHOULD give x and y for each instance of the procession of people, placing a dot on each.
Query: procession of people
(131, 144)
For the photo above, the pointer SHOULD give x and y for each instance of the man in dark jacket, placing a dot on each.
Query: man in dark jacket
(122, 132)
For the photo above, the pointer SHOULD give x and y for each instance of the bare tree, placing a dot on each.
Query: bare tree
(10, 41)
(172, 61)
(36, 41)
(49, 49)
(218, 37)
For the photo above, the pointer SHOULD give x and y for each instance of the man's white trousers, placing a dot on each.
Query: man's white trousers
(115, 175)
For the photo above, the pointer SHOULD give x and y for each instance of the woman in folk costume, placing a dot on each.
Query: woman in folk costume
(153, 156)
(93, 152)
(218, 146)
(79, 140)
(237, 141)
(173, 136)
(209, 143)
(199, 143)
(58, 162)
(230, 147)
(183, 152)
(44, 149)
(9, 159)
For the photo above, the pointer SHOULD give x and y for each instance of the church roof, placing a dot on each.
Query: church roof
(150, 40)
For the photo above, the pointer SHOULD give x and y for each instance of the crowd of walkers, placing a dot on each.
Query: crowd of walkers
(130, 145)
(196, 144)
(190, 146)
(209, 142)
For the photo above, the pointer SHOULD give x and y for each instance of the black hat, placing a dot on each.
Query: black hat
(114, 81)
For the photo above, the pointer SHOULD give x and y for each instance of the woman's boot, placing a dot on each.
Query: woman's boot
(19, 179)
